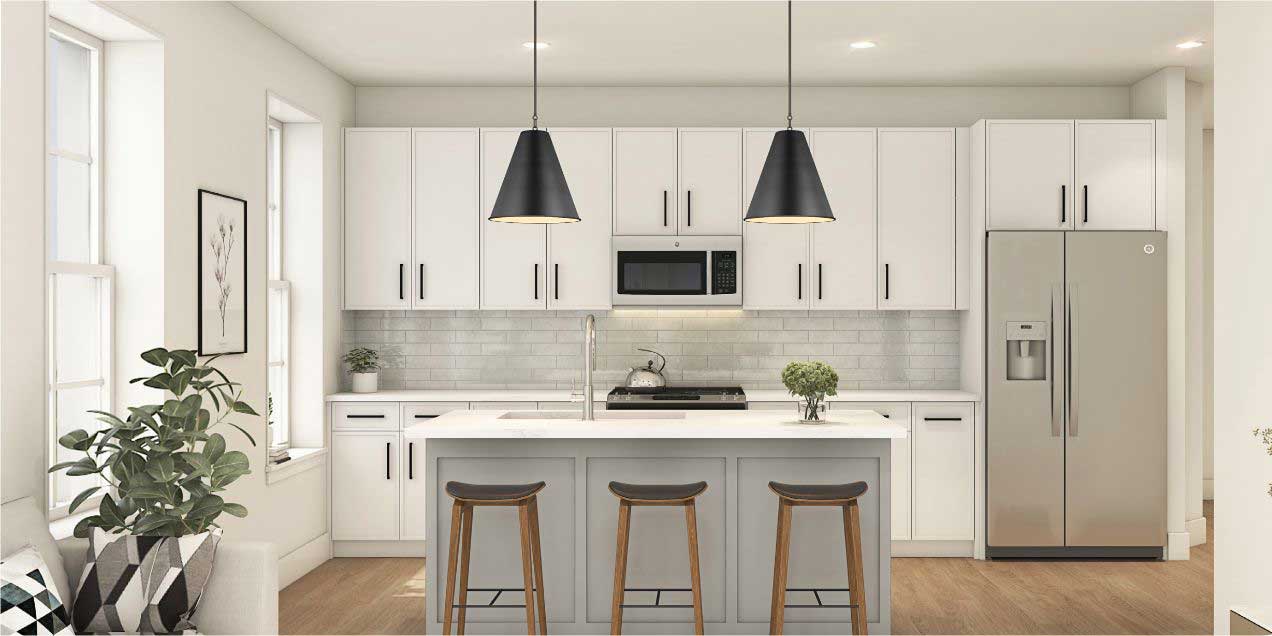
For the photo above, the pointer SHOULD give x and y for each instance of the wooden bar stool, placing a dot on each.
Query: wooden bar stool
(655, 495)
(523, 496)
(844, 496)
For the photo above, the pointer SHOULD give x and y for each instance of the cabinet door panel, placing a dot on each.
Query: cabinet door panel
(775, 270)
(364, 486)
(844, 251)
(513, 255)
(710, 176)
(944, 472)
(916, 218)
(447, 219)
(1115, 175)
(377, 218)
(645, 181)
(1029, 175)
(579, 253)
(414, 490)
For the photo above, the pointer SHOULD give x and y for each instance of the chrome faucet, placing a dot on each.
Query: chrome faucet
(589, 351)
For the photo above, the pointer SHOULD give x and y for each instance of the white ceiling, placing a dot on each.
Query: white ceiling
(472, 43)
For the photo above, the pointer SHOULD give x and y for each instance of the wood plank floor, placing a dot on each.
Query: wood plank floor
(929, 596)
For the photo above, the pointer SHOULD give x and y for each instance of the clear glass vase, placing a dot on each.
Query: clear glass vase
(810, 411)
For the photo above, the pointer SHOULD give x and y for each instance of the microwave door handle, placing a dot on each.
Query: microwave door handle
(710, 264)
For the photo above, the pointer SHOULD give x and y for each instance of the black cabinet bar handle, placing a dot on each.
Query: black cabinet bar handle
(799, 281)
(887, 291)
(886, 416)
(536, 281)
(401, 277)
(1085, 206)
(425, 417)
(943, 419)
(355, 416)
(556, 281)
(689, 208)
(421, 281)
(388, 446)
(819, 281)
(1064, 202)
(664, 208)
(410, 460)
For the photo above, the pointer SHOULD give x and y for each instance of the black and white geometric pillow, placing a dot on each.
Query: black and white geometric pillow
(143, 584)
(28, 598)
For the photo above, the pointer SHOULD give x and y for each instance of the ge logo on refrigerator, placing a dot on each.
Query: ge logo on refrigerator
(1149, 248)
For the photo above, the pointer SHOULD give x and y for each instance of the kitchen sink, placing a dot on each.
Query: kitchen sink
(600, 415)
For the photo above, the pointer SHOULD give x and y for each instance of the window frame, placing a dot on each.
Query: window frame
(277, 285)
(95, 268)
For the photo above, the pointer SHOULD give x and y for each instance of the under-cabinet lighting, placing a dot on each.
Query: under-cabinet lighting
(864, 44)
(1190, 44)
(536, 45)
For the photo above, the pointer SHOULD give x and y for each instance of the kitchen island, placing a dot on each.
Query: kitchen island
(736, 452)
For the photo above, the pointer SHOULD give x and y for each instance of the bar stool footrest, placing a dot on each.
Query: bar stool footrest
(817, 595)
(498, 592)
(657, 597)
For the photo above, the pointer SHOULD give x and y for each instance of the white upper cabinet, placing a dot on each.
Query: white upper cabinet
(1029, 175)
(579, 253)
(710, 181)
(377, 207)
(775, 267)
(513, 255)
(842, 269)
(447, 218)
(1115, 175)
(645, 181)
(916, 266)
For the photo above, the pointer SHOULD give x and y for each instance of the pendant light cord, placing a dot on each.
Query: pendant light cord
(534, 46)
(789, 118)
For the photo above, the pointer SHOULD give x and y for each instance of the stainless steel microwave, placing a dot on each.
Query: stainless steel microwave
(677, 270)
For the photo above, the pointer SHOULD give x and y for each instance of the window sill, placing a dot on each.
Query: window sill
(302, 460)
(64, 528)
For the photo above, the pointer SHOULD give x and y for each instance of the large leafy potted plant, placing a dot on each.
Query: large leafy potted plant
(164, 464)
(811, 382)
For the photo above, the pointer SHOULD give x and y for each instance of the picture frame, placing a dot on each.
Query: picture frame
(222, 273)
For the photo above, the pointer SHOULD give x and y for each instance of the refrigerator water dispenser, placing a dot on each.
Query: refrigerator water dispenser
(1027, 350)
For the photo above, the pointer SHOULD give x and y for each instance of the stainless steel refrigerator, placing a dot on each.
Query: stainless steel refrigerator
(1076, 394)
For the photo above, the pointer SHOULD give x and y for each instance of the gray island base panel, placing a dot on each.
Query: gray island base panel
(737, 520)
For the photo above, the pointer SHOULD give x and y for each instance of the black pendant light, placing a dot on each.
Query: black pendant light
(789, 189)
(534, 188)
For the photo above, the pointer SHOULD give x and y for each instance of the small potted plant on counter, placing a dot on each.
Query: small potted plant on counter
(811, 382)
(1265, 435)
(364, 368)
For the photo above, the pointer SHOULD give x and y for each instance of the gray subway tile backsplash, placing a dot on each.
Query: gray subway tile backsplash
(542, 349)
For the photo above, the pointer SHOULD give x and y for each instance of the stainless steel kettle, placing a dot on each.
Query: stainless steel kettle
(647, 377)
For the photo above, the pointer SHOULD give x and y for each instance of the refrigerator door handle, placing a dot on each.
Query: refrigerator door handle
(1070, 384)
(1057, 427)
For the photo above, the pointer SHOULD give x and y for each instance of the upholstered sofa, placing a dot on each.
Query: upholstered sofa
(240, 598)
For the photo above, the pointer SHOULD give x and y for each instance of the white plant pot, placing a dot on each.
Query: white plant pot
(365, 382)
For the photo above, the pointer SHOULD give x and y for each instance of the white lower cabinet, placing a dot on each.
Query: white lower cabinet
(364, 485)
(944, 476)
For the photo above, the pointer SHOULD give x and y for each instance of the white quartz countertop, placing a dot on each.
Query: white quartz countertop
(468, 424)
(563, 395)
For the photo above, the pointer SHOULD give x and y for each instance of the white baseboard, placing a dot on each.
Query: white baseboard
(1177, 544)
(303, 560)
(962, 549)
(1196, 531)
(1208, 489)
(378, 549)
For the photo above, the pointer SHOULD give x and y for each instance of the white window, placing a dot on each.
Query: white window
(79, 283)
(279, 294)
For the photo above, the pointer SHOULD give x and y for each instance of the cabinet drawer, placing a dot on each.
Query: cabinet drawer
(416, 412)
(504, 406)
(365, 416)
(944, 474)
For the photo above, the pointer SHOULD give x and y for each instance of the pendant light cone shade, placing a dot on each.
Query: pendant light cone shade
(789, 189)
(534, 188)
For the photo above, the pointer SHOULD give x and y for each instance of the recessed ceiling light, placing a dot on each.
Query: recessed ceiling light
(1190, 44)
(864, 44)
(535, 45)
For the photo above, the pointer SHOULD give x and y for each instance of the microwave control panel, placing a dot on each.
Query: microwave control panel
(724, 272)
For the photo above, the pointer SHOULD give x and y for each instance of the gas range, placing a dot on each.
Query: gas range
(677, 397)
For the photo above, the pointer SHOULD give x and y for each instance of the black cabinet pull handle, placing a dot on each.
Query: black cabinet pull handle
(943, 419)
(401, 277)
(556, 281)
(421, 281)
(355, 416)
(536, 281)
(1086, 207)
(388, 450)
(819, 281)
(410, 460)
(799, 281)
(886, 416)
(425, 417)
(664, 208)
(1064, 202)
(887, 286)
(689, 208)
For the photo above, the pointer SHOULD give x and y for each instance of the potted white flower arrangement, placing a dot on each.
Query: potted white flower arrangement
(364, 369)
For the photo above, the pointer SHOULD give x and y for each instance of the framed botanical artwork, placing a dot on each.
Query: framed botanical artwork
(222, 274)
